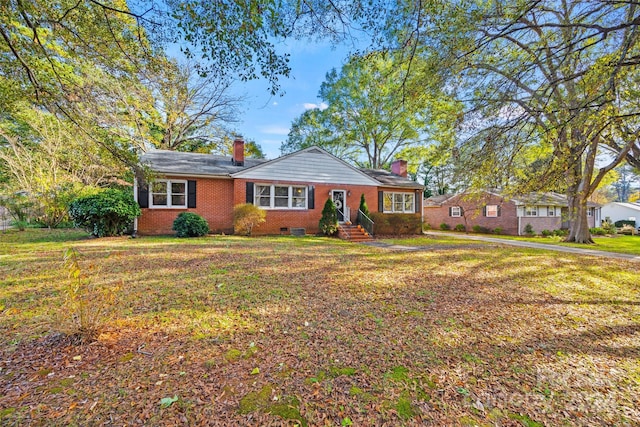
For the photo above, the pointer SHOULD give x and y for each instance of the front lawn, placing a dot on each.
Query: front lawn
(312, 331)
(619, 243)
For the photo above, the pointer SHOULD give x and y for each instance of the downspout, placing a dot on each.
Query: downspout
(135, 197)
(519, 222)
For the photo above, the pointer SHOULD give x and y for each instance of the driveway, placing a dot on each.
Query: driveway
(520, 243)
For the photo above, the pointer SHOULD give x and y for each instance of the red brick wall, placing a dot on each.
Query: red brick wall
(308, 218)
(508, 219)
(215, 199)
(472, 214)
(214, 202)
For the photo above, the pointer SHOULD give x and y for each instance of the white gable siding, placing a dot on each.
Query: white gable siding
(618, 211)
(308, 166)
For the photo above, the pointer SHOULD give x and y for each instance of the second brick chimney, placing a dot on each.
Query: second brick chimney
(238, 151)
(399, 167)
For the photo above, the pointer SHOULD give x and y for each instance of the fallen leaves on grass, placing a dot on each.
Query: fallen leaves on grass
(269, 331)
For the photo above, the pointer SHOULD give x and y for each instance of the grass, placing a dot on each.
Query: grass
(619, 243)
(296, 331)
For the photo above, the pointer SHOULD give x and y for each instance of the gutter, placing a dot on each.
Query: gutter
(135, 197)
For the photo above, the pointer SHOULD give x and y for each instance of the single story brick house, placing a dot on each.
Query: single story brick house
(491, 210)
(292, 189)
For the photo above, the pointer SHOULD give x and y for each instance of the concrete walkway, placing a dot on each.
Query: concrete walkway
(519, 243)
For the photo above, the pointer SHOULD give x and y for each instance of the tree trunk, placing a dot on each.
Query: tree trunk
(578, 222)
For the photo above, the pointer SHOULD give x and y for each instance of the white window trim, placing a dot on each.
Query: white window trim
(487, 211)
(531, 209)
(272, 197)
(454, 214)
(551, 211)
(393, 204)
(168, 183)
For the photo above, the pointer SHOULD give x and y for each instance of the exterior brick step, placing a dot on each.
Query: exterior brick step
(354, 233)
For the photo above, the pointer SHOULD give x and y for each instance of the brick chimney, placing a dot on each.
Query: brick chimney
(399, 167)
(238, 151)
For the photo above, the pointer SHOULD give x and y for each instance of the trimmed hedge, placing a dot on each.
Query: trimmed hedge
(396, 224)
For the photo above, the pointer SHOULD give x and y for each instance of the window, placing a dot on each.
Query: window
(492, 211)
(398, 203)
(456, 211)
(263, 196)
(551, 211)
(531, 211)
(589, 211)
(280, 196)
(168, 194)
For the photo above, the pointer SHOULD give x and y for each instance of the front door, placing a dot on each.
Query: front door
(338, 197)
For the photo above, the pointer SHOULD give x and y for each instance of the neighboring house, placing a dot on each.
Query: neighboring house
(292, 189)
(617, 211)
(544, 211)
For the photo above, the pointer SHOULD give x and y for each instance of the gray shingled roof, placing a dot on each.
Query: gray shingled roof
(387, 178)
(185, 164)
(179, 163)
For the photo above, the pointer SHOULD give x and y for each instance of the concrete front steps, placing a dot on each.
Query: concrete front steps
(354, 233)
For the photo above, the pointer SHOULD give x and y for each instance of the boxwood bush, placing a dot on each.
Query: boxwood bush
(107, 213)
(189, 224)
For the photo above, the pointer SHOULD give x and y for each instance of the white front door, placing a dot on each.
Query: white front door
(339, 199)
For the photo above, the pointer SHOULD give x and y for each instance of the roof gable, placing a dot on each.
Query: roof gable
(312, 164)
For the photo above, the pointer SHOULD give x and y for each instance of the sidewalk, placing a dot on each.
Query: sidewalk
(519, 243)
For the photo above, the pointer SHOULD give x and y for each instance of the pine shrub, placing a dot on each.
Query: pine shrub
(329, 221)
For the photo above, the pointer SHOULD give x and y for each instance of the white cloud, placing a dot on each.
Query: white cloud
(274, 130)
(311, 106)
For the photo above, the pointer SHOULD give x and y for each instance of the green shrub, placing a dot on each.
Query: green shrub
(189, 224)
(546, 233)
(460, 227)
(363, 206)
(426, 226)
(396, 224)
(329, 221)
(246, 217)
(528, 229)
(107, 213)
(444, 226)
(561, 232)
(498, 230)
(597, 231)
(480, 229)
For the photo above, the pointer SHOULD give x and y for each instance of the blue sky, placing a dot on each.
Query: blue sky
(266, 119)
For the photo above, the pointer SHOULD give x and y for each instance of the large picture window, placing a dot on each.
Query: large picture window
(398, 203)
(270, 196)
(168, 194)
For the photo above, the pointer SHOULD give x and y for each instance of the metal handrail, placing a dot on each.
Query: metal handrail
(366, 222)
